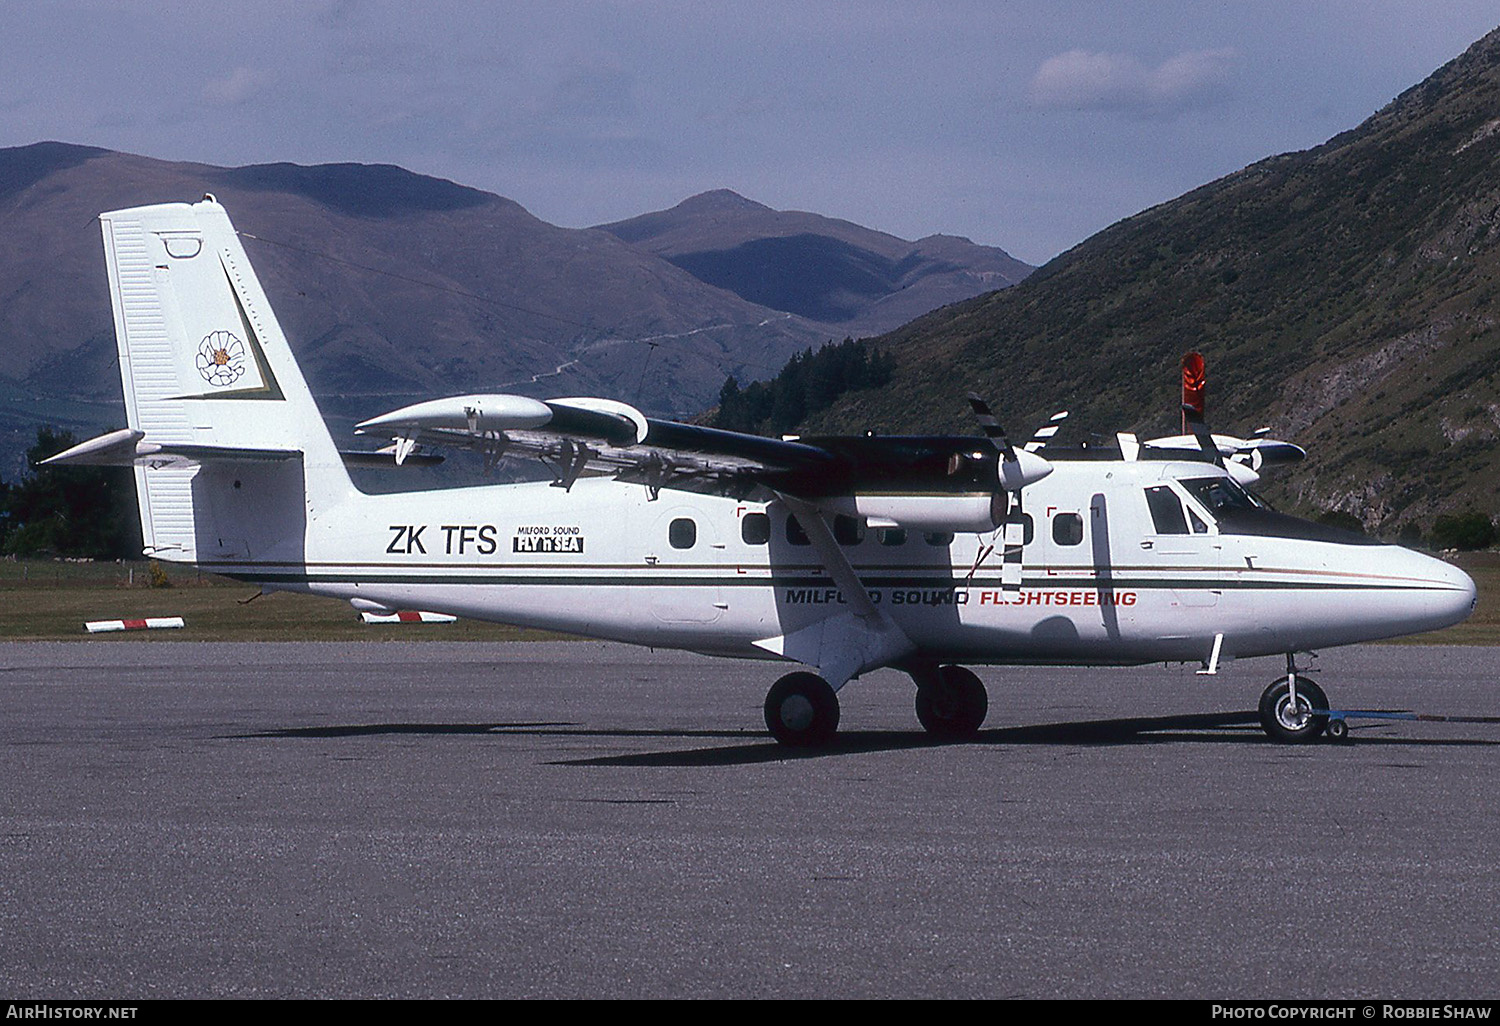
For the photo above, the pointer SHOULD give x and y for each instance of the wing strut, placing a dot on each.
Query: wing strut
(846, 644)
(834, 561)
(576, 457)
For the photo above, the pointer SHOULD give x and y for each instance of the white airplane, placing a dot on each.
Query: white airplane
(841, 554)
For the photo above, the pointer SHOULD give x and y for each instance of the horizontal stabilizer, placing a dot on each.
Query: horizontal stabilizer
(127, 447)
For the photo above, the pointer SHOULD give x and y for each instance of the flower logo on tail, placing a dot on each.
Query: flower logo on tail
(221, 359)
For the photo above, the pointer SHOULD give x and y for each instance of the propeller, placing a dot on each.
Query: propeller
(1017, 470)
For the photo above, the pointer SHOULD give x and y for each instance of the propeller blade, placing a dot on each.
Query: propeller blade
(1045, 432)
(1011, 562)
(1016, 471)
(991, 427)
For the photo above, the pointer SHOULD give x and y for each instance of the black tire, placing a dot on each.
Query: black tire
(953, 706)
(1338, 730)
(1297, 726)
(802, 710)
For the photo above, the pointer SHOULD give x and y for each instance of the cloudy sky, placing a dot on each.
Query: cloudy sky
(1027, 126)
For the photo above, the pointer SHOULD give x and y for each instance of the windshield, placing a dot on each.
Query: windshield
(1221, 494)
(1240, 511)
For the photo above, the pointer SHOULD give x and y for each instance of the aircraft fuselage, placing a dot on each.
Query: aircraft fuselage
(1102, 583)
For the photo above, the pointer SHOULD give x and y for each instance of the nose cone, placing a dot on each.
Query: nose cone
(1449, 596)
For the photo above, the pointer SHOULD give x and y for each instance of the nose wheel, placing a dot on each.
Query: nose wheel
(1294, 716)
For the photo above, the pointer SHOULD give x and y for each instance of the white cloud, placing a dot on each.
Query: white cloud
(1083, 80)
(236, 87)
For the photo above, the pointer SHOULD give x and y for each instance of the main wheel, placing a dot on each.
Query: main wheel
(1293, 725)
(954, 705)
(802, 710)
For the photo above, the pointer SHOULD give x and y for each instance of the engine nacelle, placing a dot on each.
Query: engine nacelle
(958, 514)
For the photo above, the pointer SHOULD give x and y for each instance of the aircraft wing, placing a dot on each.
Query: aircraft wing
(577, 436)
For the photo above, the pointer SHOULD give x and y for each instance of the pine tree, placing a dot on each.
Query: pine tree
(70, 511)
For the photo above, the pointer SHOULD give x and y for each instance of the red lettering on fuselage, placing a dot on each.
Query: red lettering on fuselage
(1058, 597)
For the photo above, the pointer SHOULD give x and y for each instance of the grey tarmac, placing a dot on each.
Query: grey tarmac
(591, 820)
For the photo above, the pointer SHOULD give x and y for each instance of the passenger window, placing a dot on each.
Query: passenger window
(755, 529)
(682, 533)
(1166, 510)
(939, 538)
(891, 535)
(1199, 527)
(848, 530)
(1067, 528)
(794, 532)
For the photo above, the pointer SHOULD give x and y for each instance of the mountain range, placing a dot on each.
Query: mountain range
(396, 286)
(1347, 296)
(817, 267)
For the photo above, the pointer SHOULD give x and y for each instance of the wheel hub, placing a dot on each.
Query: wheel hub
(797, 712)
(1293, 717)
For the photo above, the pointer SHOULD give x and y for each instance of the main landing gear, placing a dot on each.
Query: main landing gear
(802, 709)
(1294, 710)
(951, 702)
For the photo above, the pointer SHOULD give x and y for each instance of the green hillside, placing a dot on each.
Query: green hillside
(1345, 295)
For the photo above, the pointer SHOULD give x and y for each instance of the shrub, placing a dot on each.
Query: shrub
(1469, 530)
(1346, 521)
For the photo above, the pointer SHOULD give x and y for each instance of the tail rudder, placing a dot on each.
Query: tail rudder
(232, 456)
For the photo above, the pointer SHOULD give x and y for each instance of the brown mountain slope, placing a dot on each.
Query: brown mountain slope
(822, 268)
(394, 286)
(394, 282)
(1347, 295)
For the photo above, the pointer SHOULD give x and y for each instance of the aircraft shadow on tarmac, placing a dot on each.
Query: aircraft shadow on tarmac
(1210, 728)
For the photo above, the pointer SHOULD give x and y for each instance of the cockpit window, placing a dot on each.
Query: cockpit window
(1220, 494)
(1166, 510)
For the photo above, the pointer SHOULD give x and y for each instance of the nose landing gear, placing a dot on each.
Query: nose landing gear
(1294, 710)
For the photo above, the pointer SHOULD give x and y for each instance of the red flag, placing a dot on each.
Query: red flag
(1194, 387)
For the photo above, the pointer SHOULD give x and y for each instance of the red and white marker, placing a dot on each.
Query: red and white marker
(407, 616)
(150, 622)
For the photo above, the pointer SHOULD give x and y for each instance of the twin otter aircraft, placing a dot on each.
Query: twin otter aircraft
(842, 554)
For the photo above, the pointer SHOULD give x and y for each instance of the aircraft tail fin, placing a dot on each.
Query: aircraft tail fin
(232, 456)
